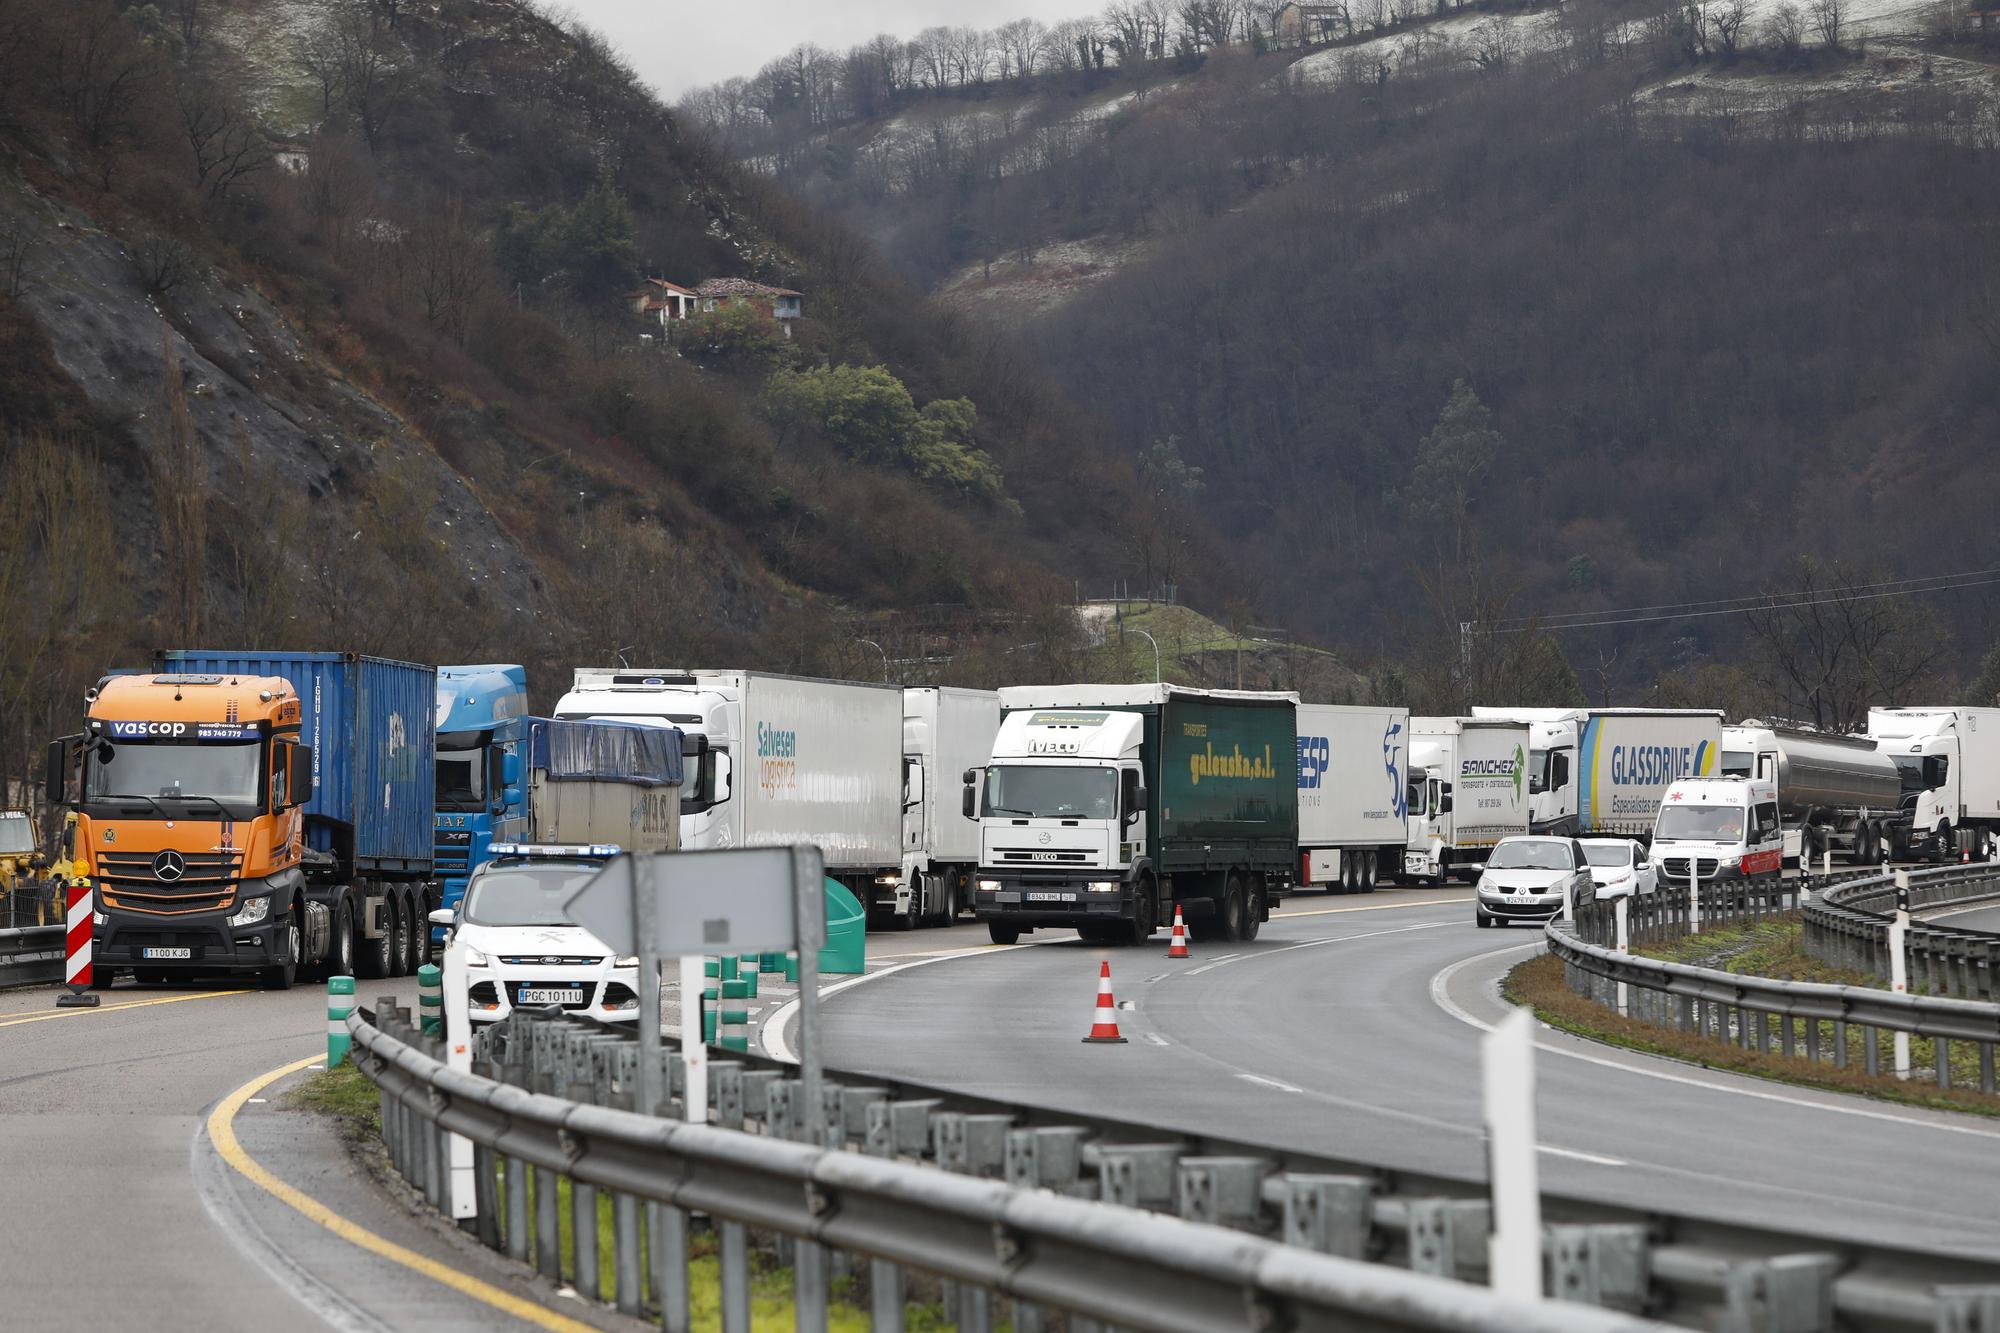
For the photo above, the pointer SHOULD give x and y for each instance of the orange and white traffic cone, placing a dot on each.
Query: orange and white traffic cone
(1104, 1017)
(1179, 949)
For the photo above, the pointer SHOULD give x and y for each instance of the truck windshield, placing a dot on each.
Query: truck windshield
(461, 770)
(1699, 823)
(1736, 764)
(172, 771)
(1047, 792)
(526, 895)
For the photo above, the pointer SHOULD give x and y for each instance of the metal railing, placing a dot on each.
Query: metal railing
(1047, 1211)
(1848, 926)
(31, 956)
(1814, 1021)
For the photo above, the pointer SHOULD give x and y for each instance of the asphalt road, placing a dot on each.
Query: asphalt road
(1343, 1031)
(1984, 917)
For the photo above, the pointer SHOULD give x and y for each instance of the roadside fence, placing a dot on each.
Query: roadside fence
(32, 956)
(1821, 1023)
(1848, 926)
(1035, 1216)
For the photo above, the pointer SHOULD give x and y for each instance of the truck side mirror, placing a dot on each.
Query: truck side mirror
(1559, 778)
(913, 783)
(967, 799)
(1133, 795)
(1444, 803)
(510, 772)
(56, 777)
(722, 772)
(301, 778)
(510, 796)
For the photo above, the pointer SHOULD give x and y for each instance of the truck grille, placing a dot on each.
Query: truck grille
(1024, 854)
(450, 860)
(1676, 867)
(168, 884)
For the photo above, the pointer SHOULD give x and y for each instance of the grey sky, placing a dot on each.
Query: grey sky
(681, 44)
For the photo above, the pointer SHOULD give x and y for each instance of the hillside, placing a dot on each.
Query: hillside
(314, 333)
(1722, 281)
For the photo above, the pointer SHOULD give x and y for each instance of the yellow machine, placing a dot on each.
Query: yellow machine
(23, 886)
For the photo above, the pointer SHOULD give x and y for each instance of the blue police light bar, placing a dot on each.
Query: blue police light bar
(554, 850)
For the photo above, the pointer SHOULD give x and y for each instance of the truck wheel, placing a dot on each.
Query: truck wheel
(1144, 914)
(914, 916)
(282, 976)
(1253, 914)
(398, 947)
(372, 956)
(1232, 911)
(415, 931)
(954, 896)
(1000, 933)
(1369, 870)
(340, 950)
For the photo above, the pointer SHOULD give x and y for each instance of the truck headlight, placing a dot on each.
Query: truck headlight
(887, 880)
(1103, 886)
(989, 886)
(252, 911)
(97, 918)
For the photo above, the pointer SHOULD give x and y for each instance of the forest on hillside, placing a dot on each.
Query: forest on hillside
(1726, 284)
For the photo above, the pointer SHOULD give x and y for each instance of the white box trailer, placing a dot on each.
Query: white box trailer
(946, 733)
(1602, 772)
(1468, 790)
(1353, 794)
(1950, 763)
(785, 760)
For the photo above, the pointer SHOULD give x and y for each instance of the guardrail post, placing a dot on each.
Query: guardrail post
(1226, 1191)
(1791, 1293)
(1899, 980)
(1329, 1214)
(735, 1264)
(971, 1145)
(1968, 1309)
(1605, 1265)
(1448, 1238)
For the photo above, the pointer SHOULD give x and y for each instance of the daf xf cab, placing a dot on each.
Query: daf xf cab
(1601, 772)
(1353, 795)
(480, 714)
(1105, 806)
(1468, 790)
(255, 814)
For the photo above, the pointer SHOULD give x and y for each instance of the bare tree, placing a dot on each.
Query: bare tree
(1784, 32)
(100, 71)
(1021, 45)
(1829, 649)
(1726, 20)
(445, 266)
(17, 247)
(1828, 17)
(179, 475)
(224, 141)
(162, 262)
(320, 56)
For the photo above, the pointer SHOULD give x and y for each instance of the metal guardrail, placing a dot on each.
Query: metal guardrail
(31, 956)
(1798, 1019)
(1848, 926)
(536, 1107)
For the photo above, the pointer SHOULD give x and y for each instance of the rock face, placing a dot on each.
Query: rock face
(256, 389)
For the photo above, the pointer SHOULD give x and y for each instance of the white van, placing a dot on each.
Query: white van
(1726, 828)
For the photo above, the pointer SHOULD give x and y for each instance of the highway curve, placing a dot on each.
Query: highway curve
(1335, 1033)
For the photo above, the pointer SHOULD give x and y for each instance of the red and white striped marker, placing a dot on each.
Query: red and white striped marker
(1179, 949)
(1104, 1018)
(77, 971)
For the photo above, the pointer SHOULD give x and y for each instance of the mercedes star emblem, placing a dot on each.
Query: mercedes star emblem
(169, 866)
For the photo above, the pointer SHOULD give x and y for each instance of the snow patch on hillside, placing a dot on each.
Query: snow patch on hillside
(1019, 288)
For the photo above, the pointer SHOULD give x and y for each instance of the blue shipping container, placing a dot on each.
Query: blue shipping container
(368, 721)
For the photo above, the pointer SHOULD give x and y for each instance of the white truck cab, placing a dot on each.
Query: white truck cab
(1719, 828)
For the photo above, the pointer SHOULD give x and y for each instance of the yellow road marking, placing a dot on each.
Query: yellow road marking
(114, 1008)
(1372, 907)
(222, 1133)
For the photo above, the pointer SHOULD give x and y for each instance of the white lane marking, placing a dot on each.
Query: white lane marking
(1158, 977)
(1269, 1082)
(1440, 996)
(1573, 1154)
(1373, 907)
(1155, 1038)
(256, 1101)
(1205, 967)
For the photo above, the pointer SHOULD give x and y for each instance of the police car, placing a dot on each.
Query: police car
(522, 951)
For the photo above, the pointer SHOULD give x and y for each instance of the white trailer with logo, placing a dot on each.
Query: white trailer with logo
(1950, 763)
(1353, 795)
(946, 734)
(1602, 772)
(1468, 790)
(782, 761)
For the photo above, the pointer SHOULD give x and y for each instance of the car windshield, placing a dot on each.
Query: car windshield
(1607, 854)
(525, 895)
(154, 770)
(1031, 791)
(1535, 854)
(1699, 823)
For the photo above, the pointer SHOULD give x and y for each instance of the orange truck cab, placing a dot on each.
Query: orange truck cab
(202, 826)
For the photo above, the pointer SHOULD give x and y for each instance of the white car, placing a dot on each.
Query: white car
(521, 951)
(1619, 868)
(1526, 878)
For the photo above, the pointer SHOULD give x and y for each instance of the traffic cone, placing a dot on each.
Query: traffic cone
(1104, 1018)
(1179, 949)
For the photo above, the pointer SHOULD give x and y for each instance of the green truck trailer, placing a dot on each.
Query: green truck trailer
(1104, 806)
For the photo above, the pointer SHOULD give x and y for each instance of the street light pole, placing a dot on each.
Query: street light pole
(885, 657)
(1156, 652)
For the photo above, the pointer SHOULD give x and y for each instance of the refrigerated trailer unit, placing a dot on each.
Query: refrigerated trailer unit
(1353, 795)
(1468, 790)
(781, 760)
(946, 733)
(1104, 806)
(1949, 759)
(1602, 772)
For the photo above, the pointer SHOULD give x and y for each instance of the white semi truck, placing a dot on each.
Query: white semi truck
(1950, 764)
(1468, 789)
(1602, 772)
(1353, 795)
(783, 761)
(945, 732)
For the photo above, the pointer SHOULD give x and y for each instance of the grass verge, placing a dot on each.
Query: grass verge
(1538, 985)
(344, 1093)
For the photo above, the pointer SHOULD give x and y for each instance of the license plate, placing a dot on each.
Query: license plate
(187, 954)
(1520, 899)
(1051, 897)
(531, 995)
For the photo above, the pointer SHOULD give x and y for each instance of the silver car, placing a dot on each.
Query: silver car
(1527, 878)
(1619, 869)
